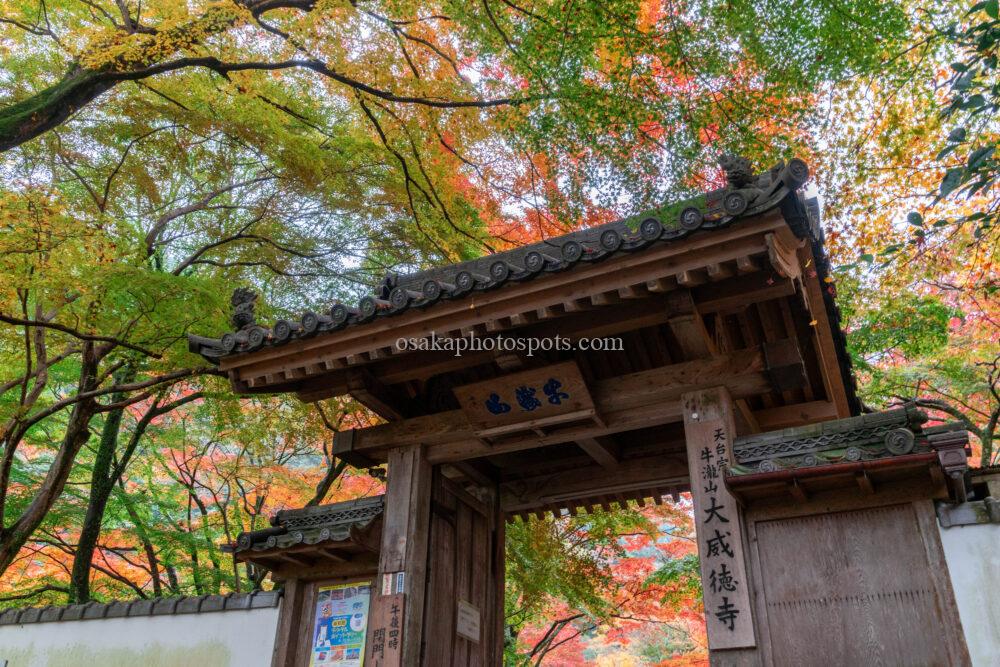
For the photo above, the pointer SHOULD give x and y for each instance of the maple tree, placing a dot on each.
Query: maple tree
(158, 154)
(911, 206)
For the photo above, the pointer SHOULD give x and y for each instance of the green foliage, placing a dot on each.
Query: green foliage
(565, 561)
(969, 151)
(909, 325)
(680, 577)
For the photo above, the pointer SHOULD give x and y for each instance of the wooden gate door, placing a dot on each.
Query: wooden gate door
(859, 587)
(463, 616)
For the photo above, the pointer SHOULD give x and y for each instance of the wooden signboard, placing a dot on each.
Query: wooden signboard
(387, 632)
(709, 431)
(467, 621)
(528, 400)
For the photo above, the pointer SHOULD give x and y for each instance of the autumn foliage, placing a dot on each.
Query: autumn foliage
(157, 154)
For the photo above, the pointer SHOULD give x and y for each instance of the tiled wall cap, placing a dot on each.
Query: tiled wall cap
(139, 608)
(50, 614)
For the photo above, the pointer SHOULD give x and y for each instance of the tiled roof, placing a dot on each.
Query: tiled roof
(746, 196)
(869, 437)
(151, 607)
(312, 525)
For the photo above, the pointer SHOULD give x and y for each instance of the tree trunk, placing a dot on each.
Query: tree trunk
(49, 108)
(77, 433)
(101, 486)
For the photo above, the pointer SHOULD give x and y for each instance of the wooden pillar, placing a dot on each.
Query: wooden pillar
(709, 431)
(402, 575)
(290, 619)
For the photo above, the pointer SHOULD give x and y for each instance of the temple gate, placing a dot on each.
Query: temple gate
(730, 379)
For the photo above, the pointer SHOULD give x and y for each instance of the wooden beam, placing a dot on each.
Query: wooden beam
(343, 448)
(797, 492)
(773, 419)
(290, 622)
(746, 265)
(384, 401)
(692, 336)
(478, 471)
(292, 558)
(625, 402)
(735, 294)
(823, 333)
(719, 271)
(570, 488)
(687, 326)
(636, 314)
(629, 316)
(604, 450)
(864, 482)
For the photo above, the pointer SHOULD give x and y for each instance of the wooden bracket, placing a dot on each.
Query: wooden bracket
(785, 367)
(343, 448)
(377, 397)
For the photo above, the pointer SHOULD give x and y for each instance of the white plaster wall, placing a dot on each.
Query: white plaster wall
(235, 638)
(973, 556)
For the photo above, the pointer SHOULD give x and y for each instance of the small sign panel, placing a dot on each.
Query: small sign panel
(340, 624)
(467, 621)
(549, 395)
(387, 632)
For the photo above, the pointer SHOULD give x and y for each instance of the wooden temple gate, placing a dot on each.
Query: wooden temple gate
(694, 348)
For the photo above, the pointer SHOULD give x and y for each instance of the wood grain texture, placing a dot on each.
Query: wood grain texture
(405, 531)
(709, 430)
(631, 401)
(464, 545)
(852, 587)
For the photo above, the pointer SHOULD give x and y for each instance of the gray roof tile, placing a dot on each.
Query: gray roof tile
(263, 599)
(10, 616)
(50, 614)
(191, 605)
(213, 603)
(421, 289)
(877, 435)
(777, 188)
(141, 608)
(312, 525)
(237, 602)
(117, 609)
(73, 612)
(95, 610)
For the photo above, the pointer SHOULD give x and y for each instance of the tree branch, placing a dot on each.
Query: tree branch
(77, 334)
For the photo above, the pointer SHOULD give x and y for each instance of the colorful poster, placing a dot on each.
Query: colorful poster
(340, 623)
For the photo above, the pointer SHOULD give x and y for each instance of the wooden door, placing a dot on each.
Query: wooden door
(465, 578)
(855, 588)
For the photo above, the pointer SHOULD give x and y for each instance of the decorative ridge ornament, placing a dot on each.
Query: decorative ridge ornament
(738, 170)
(243, 301)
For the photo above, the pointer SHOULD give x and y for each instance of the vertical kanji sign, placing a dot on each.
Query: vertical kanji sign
(709, 431)
(385, 643)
